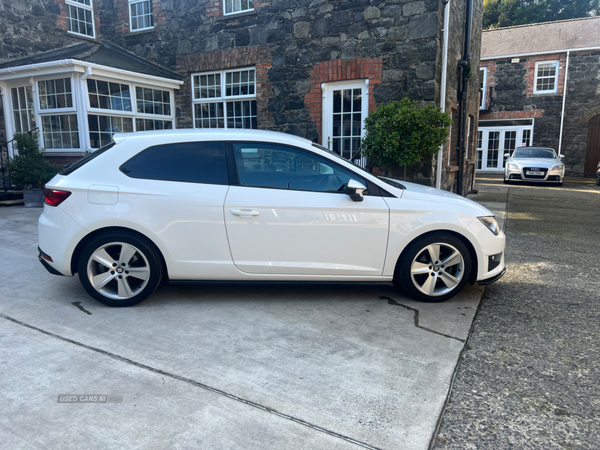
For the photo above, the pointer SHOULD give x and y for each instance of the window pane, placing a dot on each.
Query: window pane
(209, 115)
(80, 20)
(152, 124)
(102, 128)
(196, 162)
(55, 94)
(282, 167)
(22, 105)
(238, 111)
(235, 84)
(153, 101)
(141, 15)
(60, 131)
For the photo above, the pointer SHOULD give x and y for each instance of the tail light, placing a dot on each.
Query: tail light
(54, 197)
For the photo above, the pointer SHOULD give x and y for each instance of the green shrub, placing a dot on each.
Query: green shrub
(29, 168)
(400, 133)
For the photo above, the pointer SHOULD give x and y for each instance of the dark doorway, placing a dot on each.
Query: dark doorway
(593, 147)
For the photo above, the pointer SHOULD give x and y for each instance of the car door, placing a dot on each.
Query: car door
(289, 215)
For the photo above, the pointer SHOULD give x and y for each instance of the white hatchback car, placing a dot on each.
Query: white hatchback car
(254, 205)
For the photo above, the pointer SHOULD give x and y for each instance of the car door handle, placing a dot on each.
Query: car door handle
(244, 212)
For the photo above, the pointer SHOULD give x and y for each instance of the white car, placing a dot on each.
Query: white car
(537, 164)
(254, 205)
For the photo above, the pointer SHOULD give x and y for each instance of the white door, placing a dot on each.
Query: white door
(290, 216)
(345, 107)
(494, 142)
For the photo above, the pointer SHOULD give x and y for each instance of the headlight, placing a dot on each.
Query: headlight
(558, 167)
(512, 166)
(491, 223)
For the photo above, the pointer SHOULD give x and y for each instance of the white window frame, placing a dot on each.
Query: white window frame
(535, 79)
(12, 110)
(90, 8)
(133, 2)
(41, 113)
(224, 99)
(133, 114)
(484, 87)
(250, 7)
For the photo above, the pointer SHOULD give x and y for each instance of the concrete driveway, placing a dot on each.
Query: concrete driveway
(219, 366)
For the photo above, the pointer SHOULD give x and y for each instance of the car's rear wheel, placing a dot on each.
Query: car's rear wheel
(434, 267)
(120, 268)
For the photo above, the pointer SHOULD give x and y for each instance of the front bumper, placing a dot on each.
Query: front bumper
(492, 279)
(520, 174)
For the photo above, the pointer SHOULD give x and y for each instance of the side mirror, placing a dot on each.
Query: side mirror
(507, 155)
(561, 156)
(355, 190)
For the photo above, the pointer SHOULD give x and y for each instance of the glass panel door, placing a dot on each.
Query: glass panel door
(493, 149)
(510, 143)
(346, 107)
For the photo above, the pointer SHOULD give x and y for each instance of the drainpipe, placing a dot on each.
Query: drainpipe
(562, 116)
(438, 178)
(464, 64)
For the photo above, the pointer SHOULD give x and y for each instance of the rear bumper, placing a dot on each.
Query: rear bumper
(47, 265)
(492, 279)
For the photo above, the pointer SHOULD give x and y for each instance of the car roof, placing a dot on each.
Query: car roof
(188, 134)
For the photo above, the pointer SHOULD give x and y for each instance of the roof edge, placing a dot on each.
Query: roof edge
(489, 30)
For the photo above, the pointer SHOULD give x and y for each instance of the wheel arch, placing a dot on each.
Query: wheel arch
(464, 240)
(88, 237)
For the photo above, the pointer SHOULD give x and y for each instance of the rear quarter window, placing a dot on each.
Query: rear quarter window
(191, 162)
(70, 168)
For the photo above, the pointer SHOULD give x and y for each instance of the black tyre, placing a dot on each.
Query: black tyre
(434, 267)
(505, 181)
(598, 179)
(120, 268)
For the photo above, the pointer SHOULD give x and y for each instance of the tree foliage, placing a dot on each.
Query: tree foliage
(30, 169)
(506, 13)
(401, 133)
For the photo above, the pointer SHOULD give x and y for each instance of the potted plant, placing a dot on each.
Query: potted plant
(400, 134)
(30, 170)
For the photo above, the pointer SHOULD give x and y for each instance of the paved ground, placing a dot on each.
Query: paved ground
(530, 375)
(219, 367)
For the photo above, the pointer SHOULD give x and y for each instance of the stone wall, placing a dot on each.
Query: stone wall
(31, 26)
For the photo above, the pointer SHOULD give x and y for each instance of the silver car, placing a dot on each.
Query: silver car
(537, 164)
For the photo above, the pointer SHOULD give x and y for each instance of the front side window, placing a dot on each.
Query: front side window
(546, 77)
(140, 15)
(237, 6)
(282, 167)
(190, 162)
(225, 99)
(22, 105)
(80, 17)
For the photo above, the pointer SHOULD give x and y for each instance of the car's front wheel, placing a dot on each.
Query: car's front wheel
(120, 268)
(434, 267)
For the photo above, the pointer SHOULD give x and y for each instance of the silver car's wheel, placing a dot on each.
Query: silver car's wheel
(120, 268)
(434, 267)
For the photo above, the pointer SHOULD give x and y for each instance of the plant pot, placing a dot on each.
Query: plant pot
(33, 198)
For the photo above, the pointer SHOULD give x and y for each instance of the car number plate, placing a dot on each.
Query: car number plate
(534, 172)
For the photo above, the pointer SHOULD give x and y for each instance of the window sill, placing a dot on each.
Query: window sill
(545, 94)
(139, 32)
(451, 168)
(82, 36)
(236, 15)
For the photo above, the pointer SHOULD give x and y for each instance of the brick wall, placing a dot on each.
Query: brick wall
(340, 70)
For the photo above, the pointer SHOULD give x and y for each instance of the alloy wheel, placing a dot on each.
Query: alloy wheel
(437, 269)
(118, 270)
